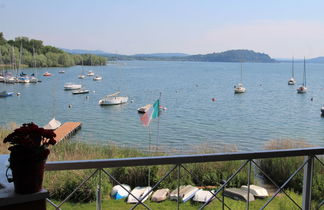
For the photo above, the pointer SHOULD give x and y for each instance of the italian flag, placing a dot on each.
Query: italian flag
(152, 113)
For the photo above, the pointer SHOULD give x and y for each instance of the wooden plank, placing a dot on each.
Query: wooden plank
(66, 130)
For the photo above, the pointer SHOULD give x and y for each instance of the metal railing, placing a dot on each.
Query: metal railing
(178, 162)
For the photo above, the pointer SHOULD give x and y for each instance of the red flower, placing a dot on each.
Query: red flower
(30, 137)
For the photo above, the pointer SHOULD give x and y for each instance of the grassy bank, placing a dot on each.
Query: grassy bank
(62, 183)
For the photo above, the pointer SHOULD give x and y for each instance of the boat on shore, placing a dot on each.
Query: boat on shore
(203, 196)
(120, 191)
(52, 124)
(140, 194)
(257, 191)
(72, 86)
(238, 194)
(144, 109)
(160, 195)
(185, 193)
(113, 99)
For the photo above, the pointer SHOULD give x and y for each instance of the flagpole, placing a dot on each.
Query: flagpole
(149, 171)
(158, 126)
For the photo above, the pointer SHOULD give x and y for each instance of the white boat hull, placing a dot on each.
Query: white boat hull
(302, 89)
(139, 193)
(113, 100)
(72, 86)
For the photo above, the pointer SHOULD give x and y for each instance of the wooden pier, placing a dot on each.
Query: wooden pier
(66, 130)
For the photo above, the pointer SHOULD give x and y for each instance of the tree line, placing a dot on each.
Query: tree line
(33, 53)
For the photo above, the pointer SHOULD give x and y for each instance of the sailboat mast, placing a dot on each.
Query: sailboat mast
(304, 72)
(292, 70)
(241, 73)
(20, 56)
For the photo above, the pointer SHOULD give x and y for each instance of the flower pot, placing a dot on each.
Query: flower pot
(28, 176)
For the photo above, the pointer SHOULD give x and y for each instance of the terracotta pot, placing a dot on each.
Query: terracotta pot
(28, 176)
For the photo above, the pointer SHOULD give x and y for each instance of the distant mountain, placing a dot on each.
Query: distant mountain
(233, 56)
(162, 55)
(316, 60)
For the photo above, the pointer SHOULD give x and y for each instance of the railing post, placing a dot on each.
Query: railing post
(178, 198)
(307, 182)
(98, 193)
(248, 185)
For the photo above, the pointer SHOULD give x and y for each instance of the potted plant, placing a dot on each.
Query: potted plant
(29, 151)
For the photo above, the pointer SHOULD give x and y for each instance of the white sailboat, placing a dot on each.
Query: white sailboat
(82, 76)
(33, 78)
(113, 99)
(239, 88)
(2, 70)
(97, 78)
(292, 80)
(303, 88)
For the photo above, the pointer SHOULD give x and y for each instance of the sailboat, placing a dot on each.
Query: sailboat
(292, 80)
(81, 76)
(2, 74)
(239, 88)
(303, 88)
(23, 78)
(33, 78)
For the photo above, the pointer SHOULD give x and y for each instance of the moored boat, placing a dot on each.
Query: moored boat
(90, 73)
(239, 88)
(5, 94)
(144, 109)
(72, 86)
(97, 78)
(81, 91)
(303, 88)
(47, 74)
(113, 99)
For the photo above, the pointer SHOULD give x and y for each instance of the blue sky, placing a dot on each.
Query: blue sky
(279, 28)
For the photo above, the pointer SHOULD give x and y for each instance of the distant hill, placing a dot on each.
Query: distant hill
(233, 56)
(162, 55)
(316, 60)
(227, 56)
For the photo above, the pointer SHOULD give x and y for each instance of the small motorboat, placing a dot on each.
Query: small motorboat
(239, 88)
(257, 191)
(62, 72)
(6, 94)
(238, 194)
(90, 73)
(160, 195)
(72, 86)
(23, 79)
(33, 79)
(47, 74)
(120, 191)
(291, 81)
(139, 193)
(81, 91)
(144, 109)
(322, 110)
(81, 76)
(97, 78)
(185, 193)
(113, 99)
(203, 195)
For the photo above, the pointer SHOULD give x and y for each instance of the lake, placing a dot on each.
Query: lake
(270, 109)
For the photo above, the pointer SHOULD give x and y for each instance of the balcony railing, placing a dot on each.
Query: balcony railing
(248, 158)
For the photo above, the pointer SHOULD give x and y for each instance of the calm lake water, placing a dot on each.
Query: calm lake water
(270, 109)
